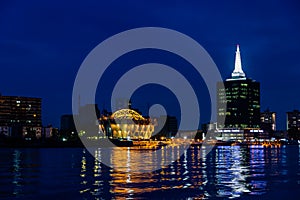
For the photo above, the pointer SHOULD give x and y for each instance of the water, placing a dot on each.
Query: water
(226, 172)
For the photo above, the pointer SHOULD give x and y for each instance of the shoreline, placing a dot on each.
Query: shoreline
(136, 144)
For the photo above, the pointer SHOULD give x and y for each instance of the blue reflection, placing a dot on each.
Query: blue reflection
(226, 172)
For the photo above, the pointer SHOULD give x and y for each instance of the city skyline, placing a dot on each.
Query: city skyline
(40, 55)
(149, 99)
(238, 75)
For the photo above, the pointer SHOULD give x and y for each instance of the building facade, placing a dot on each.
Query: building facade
(126, 124)
(293, 124)
(67, 123)
(268, 121)
(238, 100)
(20, 115)
(167, 126)
(293, 120)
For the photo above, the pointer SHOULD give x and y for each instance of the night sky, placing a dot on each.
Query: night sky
(43, 43)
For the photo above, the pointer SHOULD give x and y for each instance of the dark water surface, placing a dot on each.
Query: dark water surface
(226, 172)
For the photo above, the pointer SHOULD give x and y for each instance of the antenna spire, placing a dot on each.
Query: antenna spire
(238, 71)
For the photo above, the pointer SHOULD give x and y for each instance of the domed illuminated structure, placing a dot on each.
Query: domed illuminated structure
(125, 124)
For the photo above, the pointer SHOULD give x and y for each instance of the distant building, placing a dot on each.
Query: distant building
(268, 121)
(168, 126)
(230, 134)
(67, 122)
(88, 119)
(209, 127)
(241, 134)
(293, 124)
(293, 120)
(239, 100)
(48, 131)
(5, 130)
(208, 130)
(89, 114)
(20, 115)
(32, 132)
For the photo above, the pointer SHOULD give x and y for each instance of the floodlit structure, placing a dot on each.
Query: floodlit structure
(126, 124)
(238, 105)
(241, 95)
(238, 71)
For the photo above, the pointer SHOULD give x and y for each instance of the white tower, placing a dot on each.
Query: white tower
(238, 71)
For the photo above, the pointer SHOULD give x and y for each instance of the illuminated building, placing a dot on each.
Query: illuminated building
(212, 126)
(241, 98)
(293, 120)
(126, 124)
(22, 115)
(293, 124)
(230, 134)
(268, 121)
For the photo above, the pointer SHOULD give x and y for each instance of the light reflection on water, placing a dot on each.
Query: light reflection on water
(226, 172)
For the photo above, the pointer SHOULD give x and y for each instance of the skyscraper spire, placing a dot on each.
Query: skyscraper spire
(238, 71)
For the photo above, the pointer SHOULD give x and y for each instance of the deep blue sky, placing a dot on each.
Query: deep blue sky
(42, 43)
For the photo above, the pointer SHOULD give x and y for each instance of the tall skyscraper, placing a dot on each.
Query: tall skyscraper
(239, 100)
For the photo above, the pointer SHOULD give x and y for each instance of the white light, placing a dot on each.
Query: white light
(238, 71)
